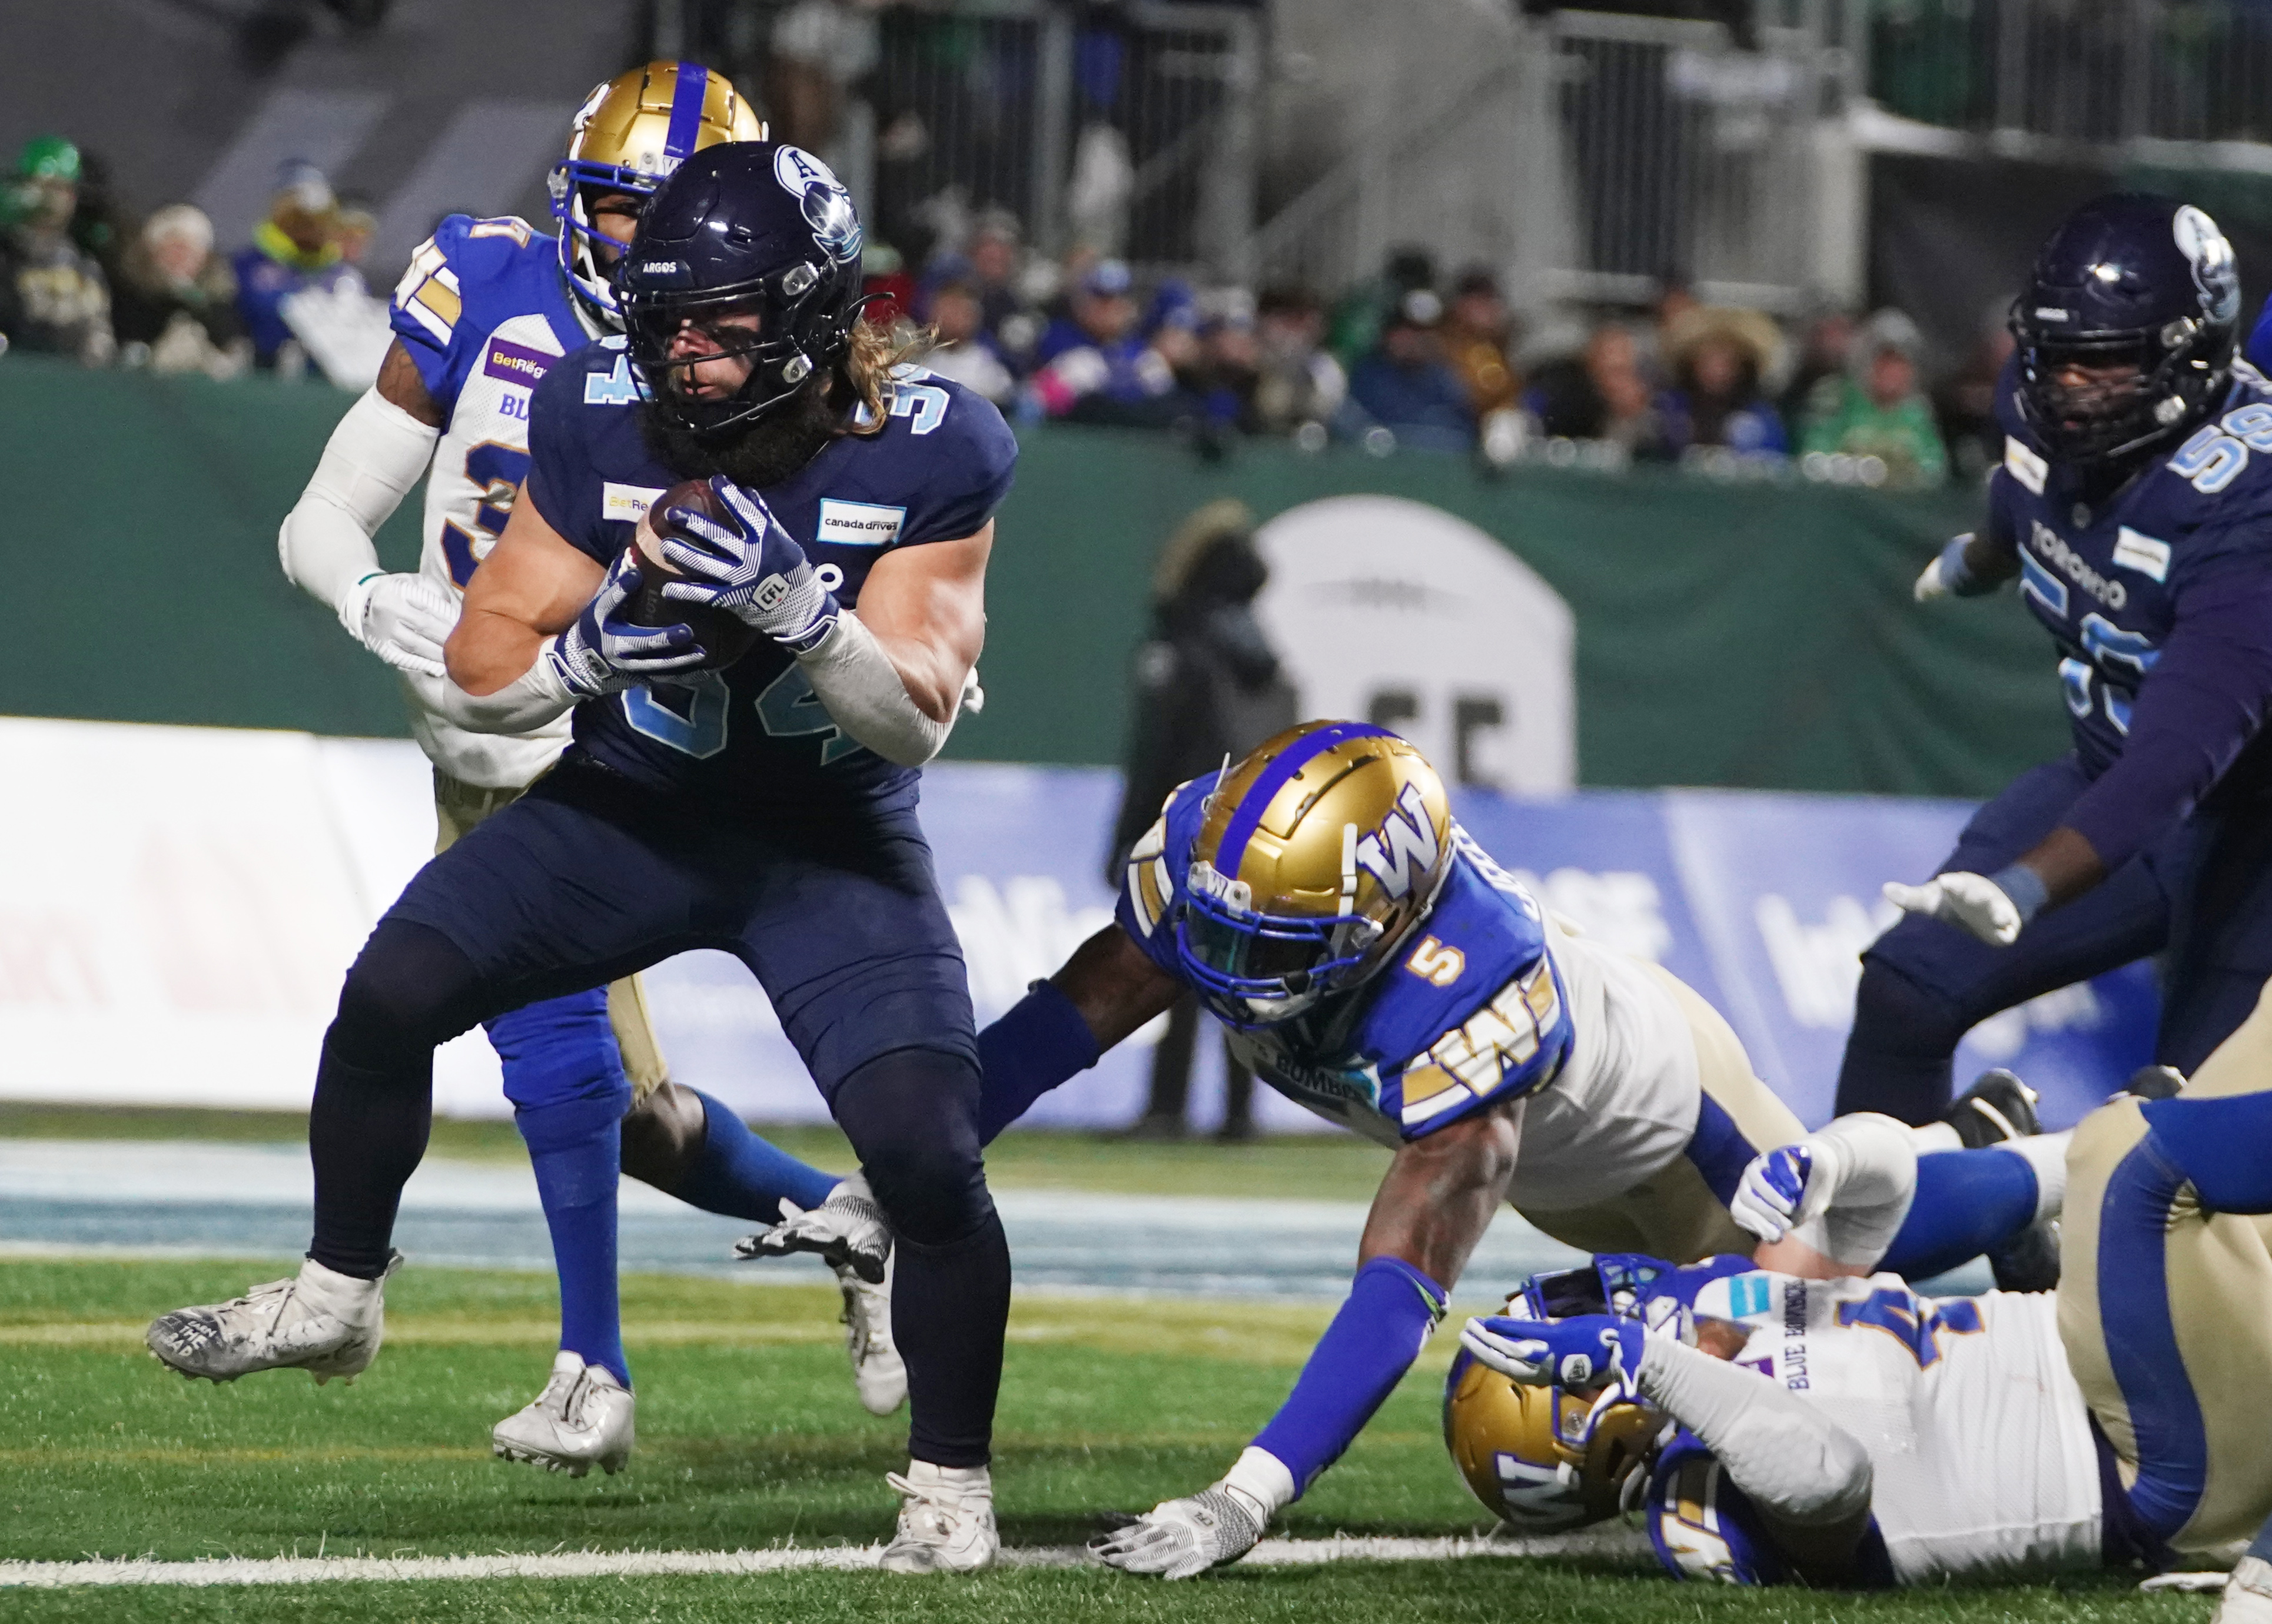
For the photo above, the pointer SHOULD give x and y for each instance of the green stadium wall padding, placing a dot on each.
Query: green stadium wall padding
(1747, 634)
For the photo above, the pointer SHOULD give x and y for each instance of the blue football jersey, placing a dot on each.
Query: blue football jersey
(2109, 579)
(756, 734)
(1471, 1012)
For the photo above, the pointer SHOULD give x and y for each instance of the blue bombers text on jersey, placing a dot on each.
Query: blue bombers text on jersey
(756, 734)
(483, 314)
(2110, 579)
(1471, 1012)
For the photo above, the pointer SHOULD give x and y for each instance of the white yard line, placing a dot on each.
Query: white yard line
(646, 1564)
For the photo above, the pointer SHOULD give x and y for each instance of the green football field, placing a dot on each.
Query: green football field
(749, 1438)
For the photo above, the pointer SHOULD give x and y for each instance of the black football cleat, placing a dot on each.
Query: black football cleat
(2154, 1082)
(1997, 1110)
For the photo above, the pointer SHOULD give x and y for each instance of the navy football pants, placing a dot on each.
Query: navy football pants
(2203, 892)
(589, 876)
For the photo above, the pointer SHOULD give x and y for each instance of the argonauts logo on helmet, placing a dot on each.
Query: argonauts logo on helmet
(827, 206)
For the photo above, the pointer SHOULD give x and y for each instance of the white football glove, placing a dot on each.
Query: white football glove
(1771, 1198)
(1182, 1538)
(403, 619)
(1970, 901)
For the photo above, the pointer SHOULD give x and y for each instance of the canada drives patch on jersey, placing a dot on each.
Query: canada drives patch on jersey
(2110, 580)
(1469, 1013)
(756, 734)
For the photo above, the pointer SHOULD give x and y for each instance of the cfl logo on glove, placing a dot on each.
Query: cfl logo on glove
(772, 593)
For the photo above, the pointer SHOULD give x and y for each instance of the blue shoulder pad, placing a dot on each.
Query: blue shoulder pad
(459, 287)
(1152, 884)
(1474, 1011)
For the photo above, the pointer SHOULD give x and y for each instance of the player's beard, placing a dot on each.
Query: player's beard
(761, 455)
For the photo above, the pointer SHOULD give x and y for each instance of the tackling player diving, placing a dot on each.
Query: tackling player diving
(1779, 1418)
(486, 310)
(763, 805)
(1373, 963)
(2134, 508)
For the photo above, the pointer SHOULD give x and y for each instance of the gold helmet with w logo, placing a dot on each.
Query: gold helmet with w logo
(629, 135)
(1317, 855)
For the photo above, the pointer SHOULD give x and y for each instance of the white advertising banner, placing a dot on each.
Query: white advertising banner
(1398, 613)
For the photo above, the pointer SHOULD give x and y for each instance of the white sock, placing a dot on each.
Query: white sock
(1935, 1136)
(2046, 1153)
(964, 1480)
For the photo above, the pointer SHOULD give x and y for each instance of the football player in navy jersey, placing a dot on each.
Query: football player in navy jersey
(765, 807)
(2134, 508)
(486, 308)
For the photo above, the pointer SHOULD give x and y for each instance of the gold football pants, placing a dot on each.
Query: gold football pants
(1673, 1214)
(2166, 1313)
(458, 807)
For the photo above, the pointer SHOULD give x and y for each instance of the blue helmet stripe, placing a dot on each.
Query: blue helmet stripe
(1272, 778)
(686, 110)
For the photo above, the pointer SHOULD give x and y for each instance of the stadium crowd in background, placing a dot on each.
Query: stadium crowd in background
(1408, 358)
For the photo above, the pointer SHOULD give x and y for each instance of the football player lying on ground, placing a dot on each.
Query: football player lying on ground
(1846, 1431)
(753, 790)
(1374, 964)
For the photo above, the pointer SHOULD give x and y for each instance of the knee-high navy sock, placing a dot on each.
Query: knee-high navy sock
(950, 1304)
(566, 1082)
(409, 988)
(1967, 1203)
(913, 1117)
(742, 1176)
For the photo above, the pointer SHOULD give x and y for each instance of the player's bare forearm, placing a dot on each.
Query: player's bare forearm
(1442, 1192)
(1116, 988)
(531, 585)
(927, 607)
(2067, 864)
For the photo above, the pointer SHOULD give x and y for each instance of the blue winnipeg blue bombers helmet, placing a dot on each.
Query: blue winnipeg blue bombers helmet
(743, 228)
(2125, 329)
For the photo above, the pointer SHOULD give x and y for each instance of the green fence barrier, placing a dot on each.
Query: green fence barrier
(1735, 634)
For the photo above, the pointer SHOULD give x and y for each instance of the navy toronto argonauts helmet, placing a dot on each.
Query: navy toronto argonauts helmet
(743, 228)
(2125, 329)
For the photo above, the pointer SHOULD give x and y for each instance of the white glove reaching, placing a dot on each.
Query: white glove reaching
(1182, 1538)
(403, 619)
(1970, 901)
(1771, 1200)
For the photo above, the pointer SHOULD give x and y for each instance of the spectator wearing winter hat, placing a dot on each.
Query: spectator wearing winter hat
(1876, 409)
(1717, 357)
(296, 248)
(1095, 365)
(1298, 382)
(1476, 329)
(176, 308)
(53, 298)
(1405, 385)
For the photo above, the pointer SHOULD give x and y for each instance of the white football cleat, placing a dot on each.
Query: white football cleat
(846, 1231)
(326, 1323)
(878, 1374)
(946, 1520)
(582, 1419)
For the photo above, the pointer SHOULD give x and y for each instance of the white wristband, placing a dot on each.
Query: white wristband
(535, 697)
(865, 696)
(1262, 1480)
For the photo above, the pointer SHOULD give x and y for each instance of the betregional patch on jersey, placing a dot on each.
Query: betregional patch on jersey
(515, 363)
(626, 503)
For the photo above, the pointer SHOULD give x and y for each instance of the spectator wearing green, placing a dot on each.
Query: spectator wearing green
(1875, 408)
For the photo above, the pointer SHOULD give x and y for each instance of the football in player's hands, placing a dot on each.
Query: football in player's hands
(724, 635)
